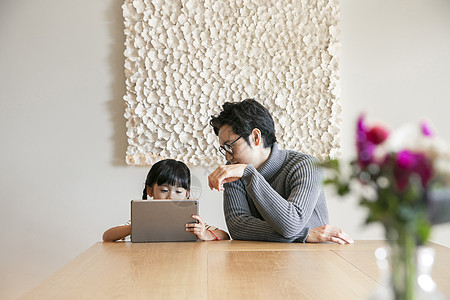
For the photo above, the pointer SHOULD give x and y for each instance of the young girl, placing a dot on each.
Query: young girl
(169, 179)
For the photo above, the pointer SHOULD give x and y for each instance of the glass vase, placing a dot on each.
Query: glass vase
(404, 275)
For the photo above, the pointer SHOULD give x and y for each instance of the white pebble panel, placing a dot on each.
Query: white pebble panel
(184, 59)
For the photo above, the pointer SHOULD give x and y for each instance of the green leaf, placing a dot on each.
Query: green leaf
(333, 181)
(343, 189)
(332, 164)
(423, 231)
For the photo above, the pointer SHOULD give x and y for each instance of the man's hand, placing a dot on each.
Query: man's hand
(328, 233)
(224, 174)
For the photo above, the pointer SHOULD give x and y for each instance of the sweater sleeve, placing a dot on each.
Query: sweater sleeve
(242, 225)
(284, 219)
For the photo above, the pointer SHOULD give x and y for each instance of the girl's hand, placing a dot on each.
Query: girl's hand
(197, 228)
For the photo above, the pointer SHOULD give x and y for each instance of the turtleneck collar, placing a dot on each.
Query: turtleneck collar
(274, 163)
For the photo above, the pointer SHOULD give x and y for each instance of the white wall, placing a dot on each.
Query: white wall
(63, 176)
(395, 67)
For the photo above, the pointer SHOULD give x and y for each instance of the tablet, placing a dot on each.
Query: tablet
(162, 220)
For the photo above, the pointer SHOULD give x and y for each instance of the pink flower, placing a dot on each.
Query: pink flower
(409, 163)
(377, 135)
(406, 159)
(426, 128)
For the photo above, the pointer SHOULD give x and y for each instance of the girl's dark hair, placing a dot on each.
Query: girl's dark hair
(245, 116)
(168, 171)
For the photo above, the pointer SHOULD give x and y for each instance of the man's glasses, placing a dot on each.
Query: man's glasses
(228, 148)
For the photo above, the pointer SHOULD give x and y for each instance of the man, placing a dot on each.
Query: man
(269, 194)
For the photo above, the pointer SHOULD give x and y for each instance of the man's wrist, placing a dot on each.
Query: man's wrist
(247, 174)
(305, 235)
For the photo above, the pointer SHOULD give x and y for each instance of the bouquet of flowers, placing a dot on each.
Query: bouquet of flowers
(401, 177)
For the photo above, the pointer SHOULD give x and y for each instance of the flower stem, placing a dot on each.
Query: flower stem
(403, 265)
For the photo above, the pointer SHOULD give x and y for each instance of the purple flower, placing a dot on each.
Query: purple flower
(367, 140)
(364, 147)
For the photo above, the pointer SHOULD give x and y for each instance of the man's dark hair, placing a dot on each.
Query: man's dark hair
(243, 117)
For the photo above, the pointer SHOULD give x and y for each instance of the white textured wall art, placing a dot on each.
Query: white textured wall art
(184, 59)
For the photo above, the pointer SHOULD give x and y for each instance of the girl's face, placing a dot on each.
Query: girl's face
(167, 191)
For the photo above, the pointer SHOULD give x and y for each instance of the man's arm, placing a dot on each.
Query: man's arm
(304, 183)
(243, 226)
(279, 214)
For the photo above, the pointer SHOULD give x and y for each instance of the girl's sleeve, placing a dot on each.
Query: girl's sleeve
(210, 227)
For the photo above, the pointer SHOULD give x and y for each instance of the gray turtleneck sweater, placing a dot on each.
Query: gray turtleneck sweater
(279, 202)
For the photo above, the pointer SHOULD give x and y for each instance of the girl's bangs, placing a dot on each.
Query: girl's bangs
(177, 177)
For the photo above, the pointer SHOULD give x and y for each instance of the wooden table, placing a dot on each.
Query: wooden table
(224, 270)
